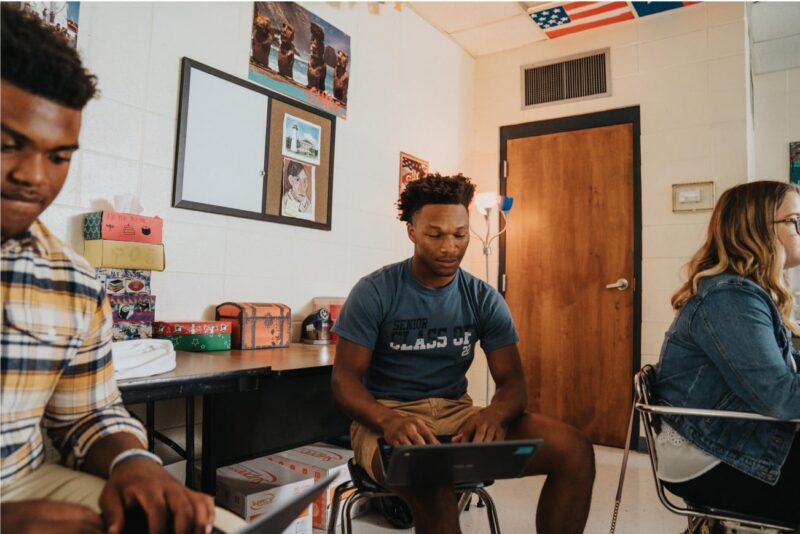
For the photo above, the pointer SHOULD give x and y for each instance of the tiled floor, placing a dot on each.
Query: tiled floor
(640, 512)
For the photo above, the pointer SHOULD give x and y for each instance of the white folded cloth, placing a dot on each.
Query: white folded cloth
(142, 357)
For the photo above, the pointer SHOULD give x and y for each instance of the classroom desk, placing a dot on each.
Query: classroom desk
(195, 373)
(292, 406)
(254, 402)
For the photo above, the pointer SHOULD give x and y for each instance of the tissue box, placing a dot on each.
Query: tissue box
(319, 460)
(199, 342)
(255, 488)
(124, 255)
(257, 325)
(122, 281)
(122, 227)
(125, 331)
(182, 328)
(133, 308)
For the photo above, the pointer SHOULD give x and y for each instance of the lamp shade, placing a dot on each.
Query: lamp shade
(484, 202)
(489, 200)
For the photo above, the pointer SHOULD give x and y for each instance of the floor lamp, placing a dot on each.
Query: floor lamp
(484, 204)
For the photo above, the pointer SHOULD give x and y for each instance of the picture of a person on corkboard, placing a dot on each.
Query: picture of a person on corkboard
(298, 190)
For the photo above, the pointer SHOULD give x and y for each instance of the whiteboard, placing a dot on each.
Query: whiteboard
(225, 144)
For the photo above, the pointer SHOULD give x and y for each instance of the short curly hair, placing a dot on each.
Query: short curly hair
(39, 61)
(434, 189)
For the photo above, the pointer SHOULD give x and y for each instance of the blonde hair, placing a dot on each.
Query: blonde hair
(742, 239)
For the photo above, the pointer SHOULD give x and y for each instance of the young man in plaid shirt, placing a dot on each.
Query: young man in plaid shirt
(57, 370)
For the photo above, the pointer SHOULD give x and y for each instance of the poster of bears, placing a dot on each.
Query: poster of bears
(296, 53)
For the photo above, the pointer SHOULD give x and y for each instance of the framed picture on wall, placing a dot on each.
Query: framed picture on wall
(794, 162)
(411, 168)
(245, 151)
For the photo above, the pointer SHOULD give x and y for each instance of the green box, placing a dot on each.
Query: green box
(200, 342)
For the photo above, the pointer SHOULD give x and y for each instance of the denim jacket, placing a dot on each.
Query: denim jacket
(728, 350)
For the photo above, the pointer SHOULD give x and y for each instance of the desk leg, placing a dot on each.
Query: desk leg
(208, 463)
(189, 442)
(149, 423)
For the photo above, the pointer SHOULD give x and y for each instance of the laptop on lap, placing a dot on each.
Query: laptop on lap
(457, 463)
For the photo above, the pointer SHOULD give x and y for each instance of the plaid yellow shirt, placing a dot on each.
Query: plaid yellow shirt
(56, 356)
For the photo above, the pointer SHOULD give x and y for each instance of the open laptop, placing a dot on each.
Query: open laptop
(277, 521)
(456, 463)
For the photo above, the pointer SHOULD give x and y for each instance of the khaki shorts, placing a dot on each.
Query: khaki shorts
(57, 483)
(443, 417)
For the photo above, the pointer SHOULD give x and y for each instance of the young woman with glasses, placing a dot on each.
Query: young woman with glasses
(729, 348)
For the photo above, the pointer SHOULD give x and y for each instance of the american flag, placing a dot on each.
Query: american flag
(572, 17)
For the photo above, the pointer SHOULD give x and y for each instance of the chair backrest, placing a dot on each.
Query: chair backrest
(644, 382)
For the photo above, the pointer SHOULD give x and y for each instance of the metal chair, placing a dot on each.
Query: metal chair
(698, 515)
(361, 486)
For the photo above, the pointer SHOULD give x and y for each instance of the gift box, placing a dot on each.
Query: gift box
(125, 331)
(181, 328)
(124, 281)
(133, 308)
(199, 342)
(117, 226)
(124, 255)
(257, 325)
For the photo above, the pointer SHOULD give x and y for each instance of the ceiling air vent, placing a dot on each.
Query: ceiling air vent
(574, 78)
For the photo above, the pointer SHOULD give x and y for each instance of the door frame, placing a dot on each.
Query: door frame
(628, 115)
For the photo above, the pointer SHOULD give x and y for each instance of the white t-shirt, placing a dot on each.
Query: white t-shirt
(679, 460)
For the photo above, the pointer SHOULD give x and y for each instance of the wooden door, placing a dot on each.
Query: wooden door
(571, 233)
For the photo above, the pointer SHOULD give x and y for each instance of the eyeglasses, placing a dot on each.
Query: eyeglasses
(795, 222)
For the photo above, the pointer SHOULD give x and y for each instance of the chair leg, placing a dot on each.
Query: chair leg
(491, 511)
(347, 519)
(337, 503)
(464, 500)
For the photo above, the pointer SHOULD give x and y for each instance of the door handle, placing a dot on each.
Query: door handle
(620, 284)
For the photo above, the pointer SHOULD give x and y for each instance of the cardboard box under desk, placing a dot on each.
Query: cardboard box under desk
(319, 460)
(124, 255)
(254, 488)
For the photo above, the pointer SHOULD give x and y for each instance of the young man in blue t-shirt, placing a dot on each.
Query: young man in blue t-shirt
(407, 337)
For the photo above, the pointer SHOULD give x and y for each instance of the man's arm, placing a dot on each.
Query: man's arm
(508, 402)
(90, 426)
(350, 394)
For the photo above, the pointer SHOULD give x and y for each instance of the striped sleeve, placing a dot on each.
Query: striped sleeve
(86, 404)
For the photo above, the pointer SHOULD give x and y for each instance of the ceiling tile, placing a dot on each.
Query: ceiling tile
(451, 17)
(773, 20)
(499, 36)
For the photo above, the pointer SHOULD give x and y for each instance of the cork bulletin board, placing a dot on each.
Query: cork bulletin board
(245, 151)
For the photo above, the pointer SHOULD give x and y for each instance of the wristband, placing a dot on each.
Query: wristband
(133, 453)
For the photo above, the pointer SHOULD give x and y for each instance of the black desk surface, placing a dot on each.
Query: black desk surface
(198, 373)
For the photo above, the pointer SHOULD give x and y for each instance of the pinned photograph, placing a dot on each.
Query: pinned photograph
(301, 139)
(62, 16)
(297, 198)
(411, 168)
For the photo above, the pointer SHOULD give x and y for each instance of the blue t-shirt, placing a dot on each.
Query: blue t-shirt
(422, 339)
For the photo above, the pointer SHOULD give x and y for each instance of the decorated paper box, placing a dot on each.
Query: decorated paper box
(122, 281)
(124, 255)
(199, 342)
(133, 308)
(122, 227)
(257, 325)
(182, 328)
(125, 331)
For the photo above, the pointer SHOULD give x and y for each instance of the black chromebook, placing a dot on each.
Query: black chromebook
(456, 463)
